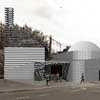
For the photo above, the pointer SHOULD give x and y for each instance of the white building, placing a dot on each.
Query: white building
(85, 58)
(19, 62)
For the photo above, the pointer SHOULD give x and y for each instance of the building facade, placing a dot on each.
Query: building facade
(9, 16)
(85, 59)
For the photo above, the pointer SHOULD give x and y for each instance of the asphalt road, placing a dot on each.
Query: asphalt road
(54, 94)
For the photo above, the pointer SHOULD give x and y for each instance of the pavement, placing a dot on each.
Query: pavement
(12, 90)
(13, 86)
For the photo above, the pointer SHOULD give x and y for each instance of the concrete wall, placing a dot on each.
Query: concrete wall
(64, 56)
(87, 62)
(76, 70)
(92, 68)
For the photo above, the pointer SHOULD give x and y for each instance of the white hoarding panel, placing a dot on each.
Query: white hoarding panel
(19, 61)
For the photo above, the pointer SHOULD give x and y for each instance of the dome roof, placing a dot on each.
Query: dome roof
(84, 46)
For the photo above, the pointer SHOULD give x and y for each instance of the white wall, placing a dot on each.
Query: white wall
(77, 67)
(88, 63)
(92, 68)
(19, 61)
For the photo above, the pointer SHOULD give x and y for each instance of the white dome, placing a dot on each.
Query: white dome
(85, 50)
(84, 46)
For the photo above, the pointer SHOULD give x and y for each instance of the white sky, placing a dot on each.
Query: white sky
(68, 21)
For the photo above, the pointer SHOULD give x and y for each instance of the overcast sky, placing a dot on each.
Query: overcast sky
(68, 21)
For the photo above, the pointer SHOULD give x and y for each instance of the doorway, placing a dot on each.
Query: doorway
(56, 69)
(99, 75)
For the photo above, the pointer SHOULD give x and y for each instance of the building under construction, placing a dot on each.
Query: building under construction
(20, 37)
(9, 17)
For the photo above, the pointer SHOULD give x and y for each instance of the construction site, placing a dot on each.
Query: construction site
(49, 50)
(14, 40)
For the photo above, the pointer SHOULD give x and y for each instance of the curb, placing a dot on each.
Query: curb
(29, 89)
(21, 90)
(38, 88)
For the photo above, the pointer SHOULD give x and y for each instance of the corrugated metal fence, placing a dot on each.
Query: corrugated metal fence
(19, 61)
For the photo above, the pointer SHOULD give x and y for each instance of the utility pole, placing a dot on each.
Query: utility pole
(1, 51)
(50, 45)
